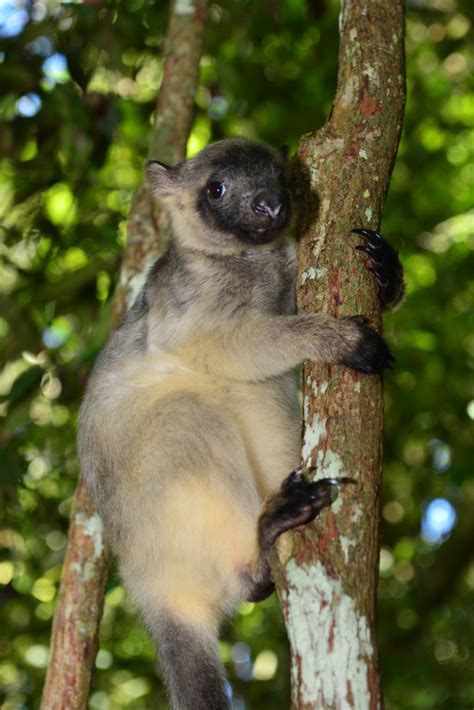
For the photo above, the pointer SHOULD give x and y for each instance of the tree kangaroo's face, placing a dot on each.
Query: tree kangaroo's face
(232, 190)
(243, 191)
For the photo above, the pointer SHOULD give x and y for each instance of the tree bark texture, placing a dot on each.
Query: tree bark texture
(327, 573)
(78, 612)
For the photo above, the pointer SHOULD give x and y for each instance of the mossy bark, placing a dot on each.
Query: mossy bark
(327, 573)
(78, 611)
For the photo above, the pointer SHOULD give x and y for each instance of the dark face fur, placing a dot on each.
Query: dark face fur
(236, 188)
(245, 194)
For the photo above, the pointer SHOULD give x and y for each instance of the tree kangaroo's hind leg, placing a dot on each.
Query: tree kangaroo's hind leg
(298, 502)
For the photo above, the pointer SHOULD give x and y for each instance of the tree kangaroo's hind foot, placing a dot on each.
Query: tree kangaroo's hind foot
(386, 266)
(298, 502)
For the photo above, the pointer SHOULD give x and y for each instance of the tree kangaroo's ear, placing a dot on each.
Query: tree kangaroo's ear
(159, 178)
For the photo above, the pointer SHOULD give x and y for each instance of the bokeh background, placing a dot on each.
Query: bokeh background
(78, 86)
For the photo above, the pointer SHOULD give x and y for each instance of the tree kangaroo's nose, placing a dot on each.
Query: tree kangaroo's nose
(268, 204)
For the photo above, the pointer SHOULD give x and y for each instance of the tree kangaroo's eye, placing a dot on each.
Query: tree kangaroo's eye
(216, 190)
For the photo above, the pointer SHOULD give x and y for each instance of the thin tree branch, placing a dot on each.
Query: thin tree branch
(79, 608)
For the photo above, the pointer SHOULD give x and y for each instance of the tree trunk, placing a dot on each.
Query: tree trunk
(78, 612)
(327, 573)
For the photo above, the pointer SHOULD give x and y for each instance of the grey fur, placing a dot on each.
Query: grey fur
(190, 420)
(190, 665)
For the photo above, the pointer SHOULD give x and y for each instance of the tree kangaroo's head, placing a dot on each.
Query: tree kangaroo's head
(230, 197)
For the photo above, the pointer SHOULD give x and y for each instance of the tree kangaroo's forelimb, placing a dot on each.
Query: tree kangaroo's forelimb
(261, 346)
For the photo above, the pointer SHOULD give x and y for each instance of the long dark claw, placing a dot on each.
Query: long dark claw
(381, 281)
(338, 481)
(369, 233)
(370, 249)
(374, 240)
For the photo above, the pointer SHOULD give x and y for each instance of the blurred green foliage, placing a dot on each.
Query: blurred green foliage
(79, 83)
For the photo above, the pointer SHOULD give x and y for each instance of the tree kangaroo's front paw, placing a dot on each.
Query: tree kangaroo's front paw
(386, 266)
(298, 502)
(367, 351)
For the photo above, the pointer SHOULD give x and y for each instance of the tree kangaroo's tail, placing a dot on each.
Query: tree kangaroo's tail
(188, 656)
